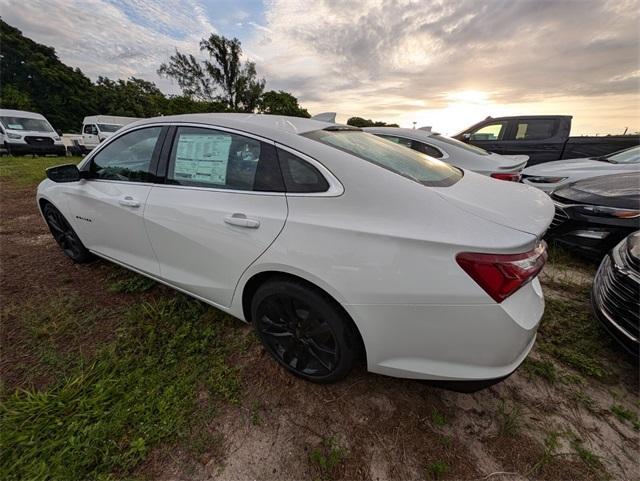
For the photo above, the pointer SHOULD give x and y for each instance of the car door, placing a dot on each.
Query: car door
(539, 138)
(489, 136)
(90, 136)
(221, 205)
(107, 206)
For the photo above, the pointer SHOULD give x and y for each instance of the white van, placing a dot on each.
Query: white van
(28, 133)
(97, 128)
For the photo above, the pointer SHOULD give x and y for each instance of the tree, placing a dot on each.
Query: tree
(224, 78)
(360, 122)
(281, 103)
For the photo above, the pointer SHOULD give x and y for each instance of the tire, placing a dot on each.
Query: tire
(304, 330)
(65, 236)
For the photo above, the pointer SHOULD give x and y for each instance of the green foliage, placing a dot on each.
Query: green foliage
(509, 419)
(25, 171)
(34, 79)
(327, 457)
(624, 415)
(436, 470)
(438, 419)
(569, 333)
(140, 391)
(360, 122)
(223, 78)
(543, 368)
(281, 103)
(127, 282)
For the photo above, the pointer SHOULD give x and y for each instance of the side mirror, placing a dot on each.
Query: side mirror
(64, 173)
(466, 136)
(59, 132)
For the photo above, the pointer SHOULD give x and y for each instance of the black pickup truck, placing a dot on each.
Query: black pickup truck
(542, 137)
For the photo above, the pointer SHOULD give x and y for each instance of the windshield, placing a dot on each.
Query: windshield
(460, 145)
(396, 158)
(109, 128)
(21, 123)
(629, 156)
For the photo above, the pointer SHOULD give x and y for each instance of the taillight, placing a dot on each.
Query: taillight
(508, 177)
(500, 275)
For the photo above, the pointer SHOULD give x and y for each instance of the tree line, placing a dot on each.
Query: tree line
(33, 78)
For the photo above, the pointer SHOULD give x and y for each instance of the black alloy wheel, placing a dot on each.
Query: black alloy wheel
(65, 236)
(303, 330)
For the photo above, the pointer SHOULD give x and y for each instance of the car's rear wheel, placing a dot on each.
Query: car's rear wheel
(304, 330)
(65, 236)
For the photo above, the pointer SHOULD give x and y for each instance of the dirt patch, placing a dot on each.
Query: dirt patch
(382, 428)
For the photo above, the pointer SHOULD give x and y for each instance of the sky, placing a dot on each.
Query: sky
(447, 64)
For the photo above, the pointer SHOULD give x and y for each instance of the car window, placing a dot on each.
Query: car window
(127, 158)
(397, 159)
(22, 123)
(427, 149)
(460, 145)
(396, 140)
(299, 175)
(538, 129)
(629, 156)
(493, 131)
(90, 129)
(222, 160)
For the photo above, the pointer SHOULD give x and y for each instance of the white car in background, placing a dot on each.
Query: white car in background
(552, 175)
(29, 133)
(97, 128)
(454, 152)
(328, 239)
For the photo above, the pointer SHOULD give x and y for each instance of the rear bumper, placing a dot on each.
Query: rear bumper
(477, 345)
(29, 149)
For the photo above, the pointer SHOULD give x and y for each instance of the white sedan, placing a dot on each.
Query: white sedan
(454, 152)
(330, 240)
(552, 175)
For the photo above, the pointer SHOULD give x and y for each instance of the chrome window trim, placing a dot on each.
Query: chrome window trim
(335, 189)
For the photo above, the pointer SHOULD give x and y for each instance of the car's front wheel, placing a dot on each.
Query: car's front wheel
(304, 330)
(65, 236)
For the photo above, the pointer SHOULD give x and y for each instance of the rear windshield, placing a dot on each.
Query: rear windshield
(22, 123)
(396, 158)
(460, 145)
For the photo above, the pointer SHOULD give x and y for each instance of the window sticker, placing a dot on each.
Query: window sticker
(15, 126)
(202, 158)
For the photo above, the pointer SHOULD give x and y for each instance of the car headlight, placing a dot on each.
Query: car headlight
(545, 180)
(14, 136)
(601, 211)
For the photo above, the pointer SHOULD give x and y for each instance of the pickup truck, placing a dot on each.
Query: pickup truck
(542, 137)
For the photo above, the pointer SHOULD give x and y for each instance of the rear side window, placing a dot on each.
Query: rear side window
(396, 140)
(400, 160)
(222, 160)
(426, 149)
(128, 158)
(493, 131)
(299, 175)
(539, 129)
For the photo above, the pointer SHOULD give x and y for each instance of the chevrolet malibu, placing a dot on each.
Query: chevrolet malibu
(331, 241)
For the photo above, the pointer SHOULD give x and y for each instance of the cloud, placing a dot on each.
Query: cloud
(388, 53)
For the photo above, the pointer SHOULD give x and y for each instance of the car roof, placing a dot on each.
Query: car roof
(21, 113)
(260, 124)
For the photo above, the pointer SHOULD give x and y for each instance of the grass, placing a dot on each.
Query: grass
(551, 445)
(139, 392)
(436, 469)
(127, 282)
(570, 334)
(25, 171)
(327, 457)
(541, 368)
(509, 419)
(624, 415)
(438, 419)
(591, 460)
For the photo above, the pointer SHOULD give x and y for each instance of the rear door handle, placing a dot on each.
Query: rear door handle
(241, 220)
(129, 201)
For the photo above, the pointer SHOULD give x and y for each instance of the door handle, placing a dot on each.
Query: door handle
(241, 220)
(129, 201)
